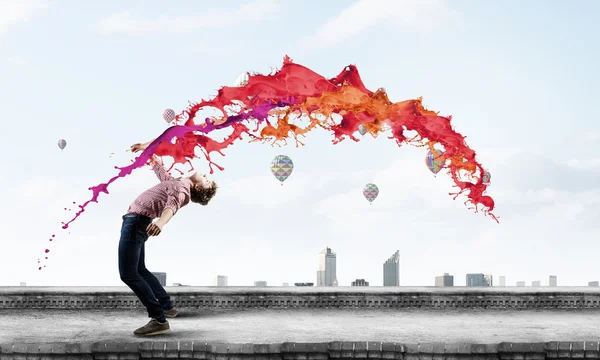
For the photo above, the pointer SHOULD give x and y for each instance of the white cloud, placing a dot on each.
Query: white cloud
(593, 135)
(13, 12)
(17, 60)
(125, 22)
(417, 15)
(593, 163)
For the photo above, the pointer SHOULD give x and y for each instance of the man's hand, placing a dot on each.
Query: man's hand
(154, 229)
(138, 147)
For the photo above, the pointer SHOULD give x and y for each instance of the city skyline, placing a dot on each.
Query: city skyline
(66, 77)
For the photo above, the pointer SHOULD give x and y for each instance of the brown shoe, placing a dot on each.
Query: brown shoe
(171, 313)
(153, 328)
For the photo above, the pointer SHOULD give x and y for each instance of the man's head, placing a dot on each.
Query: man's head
(202, 190)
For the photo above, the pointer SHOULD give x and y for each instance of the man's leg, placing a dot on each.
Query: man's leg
(130, 249)
(157, 289)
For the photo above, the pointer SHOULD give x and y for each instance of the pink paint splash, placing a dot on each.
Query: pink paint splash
(296, 89)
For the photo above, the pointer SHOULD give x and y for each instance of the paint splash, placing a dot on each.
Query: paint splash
(295, 92)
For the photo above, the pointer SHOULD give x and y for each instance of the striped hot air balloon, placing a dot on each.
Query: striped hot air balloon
(370, 192)
(282, 167)
(362, 129)
(435, 161)
(487, 177)
(242, 80)
(169, 115)
(62, 144)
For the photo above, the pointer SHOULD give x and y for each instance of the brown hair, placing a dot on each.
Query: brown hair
(201, 195)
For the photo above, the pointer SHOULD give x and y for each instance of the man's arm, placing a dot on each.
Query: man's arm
(157, 166)
(166, 215)
(156, 227)
(159, 170)
(174, 203)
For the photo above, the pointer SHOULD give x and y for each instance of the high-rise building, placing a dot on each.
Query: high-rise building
(285, 284)
(391, 270)
(479, 280)
(22, 284)
(444, 280)
(520, 283)
(220, 280)
(360, 282)
(326, 272)
(162, 277)
(594, 283)
(536, 283)
(551, 281)
(260, 283)
(502, 281)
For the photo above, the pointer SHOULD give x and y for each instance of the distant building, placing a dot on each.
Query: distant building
(179, 284)
(360, 282)
(220, 280)
(303, 284)
(594, 283)
(391, 270)
(551, 281)
(260, 283)
(521, 283)
(444, 280)
(22, 284)
(502, 281)
(536, 283)
(326, 271)
(285, 284)
(479, 280)
(162, 277)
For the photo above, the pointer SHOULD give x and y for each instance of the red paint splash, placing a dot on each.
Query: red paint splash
(274, 100)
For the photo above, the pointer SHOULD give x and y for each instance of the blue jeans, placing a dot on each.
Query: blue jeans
(132, 267)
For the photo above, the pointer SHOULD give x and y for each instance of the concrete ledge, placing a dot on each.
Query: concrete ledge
(299, 351)
(281, 298)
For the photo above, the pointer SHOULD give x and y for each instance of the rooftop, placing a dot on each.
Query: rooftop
(305, 325)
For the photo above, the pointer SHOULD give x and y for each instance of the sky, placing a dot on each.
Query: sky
(520, 80)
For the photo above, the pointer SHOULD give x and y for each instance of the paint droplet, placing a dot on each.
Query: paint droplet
(47, 251)
(40, 268)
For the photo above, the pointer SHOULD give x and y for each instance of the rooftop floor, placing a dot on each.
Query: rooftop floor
(305, 325)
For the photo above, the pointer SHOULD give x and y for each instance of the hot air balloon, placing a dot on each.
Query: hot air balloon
(362, 129)
(370, 192)
(242, 80)
(169, 115)
(282, 167)
(62, 144)
(435, 161)
(487, 177)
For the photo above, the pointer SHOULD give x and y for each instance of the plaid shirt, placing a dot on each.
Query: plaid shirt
(170, 193)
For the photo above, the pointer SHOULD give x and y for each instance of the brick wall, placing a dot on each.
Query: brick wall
(256, 299)
(300, 351)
